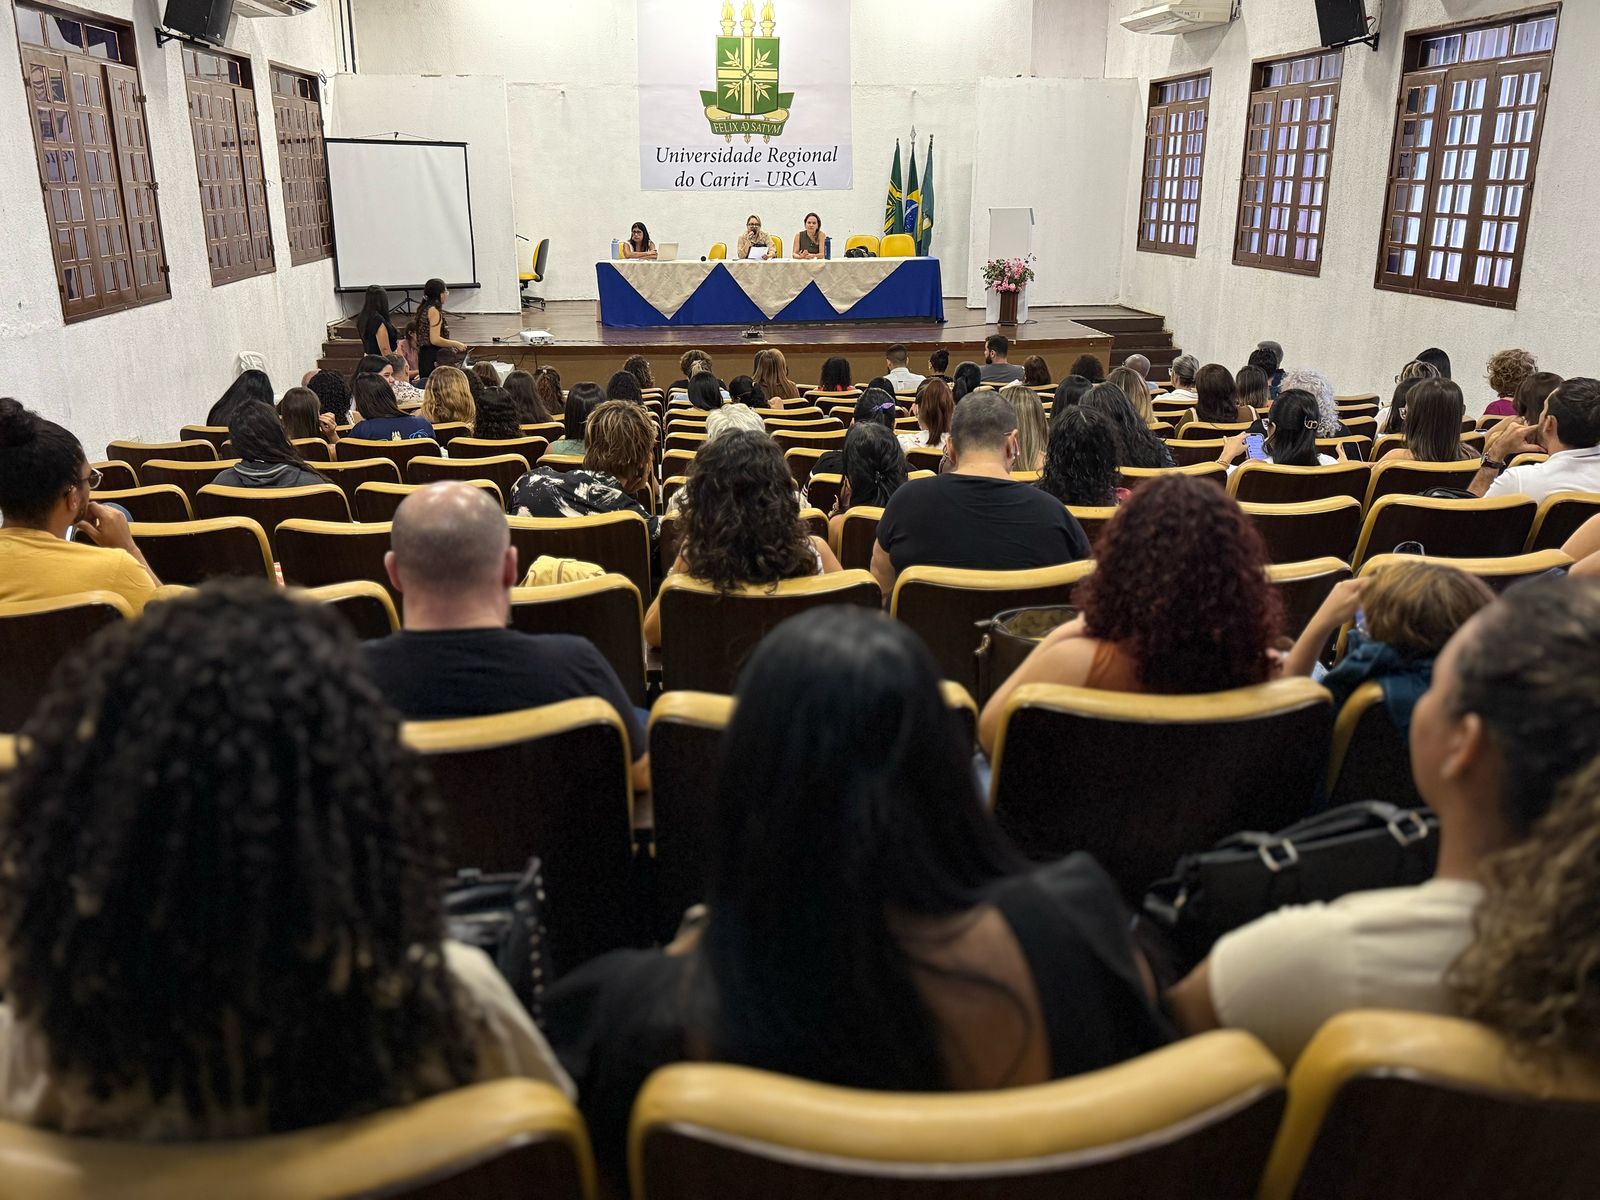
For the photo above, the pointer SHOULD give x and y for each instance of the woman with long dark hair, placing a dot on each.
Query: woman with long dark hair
(1253, 388)
(1139, 633)
(433, 334)
(268, 931)
(934, 408)
(583, 400)
(638, 244)
(381, 418)
(868, 925)
(1137, 445)
(334, 394)
(548, 381)
(705, 393)
(302, 417)
(1089, 367)
(835, 376)
(1435, 410)
(1216, 396)
(1080, 463)
(496, 417)
(1291, 434)
(524, 393)
(1068, 393)
(267, 459)
(874, 467)
(249, 385)
(623, 386)
(968, 376)
(373, 324)
(771, 374)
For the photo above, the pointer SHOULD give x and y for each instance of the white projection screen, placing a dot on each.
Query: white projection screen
(401, 214)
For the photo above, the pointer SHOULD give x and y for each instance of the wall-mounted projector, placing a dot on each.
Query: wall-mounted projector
(1181, 16)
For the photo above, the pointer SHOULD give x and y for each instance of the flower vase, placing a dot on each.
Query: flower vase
(1008, 308)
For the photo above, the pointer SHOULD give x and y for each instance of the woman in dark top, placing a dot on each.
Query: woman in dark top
(618, 454)
(267, 459)
(373, 324)
(524, 393)
(873, 466)
(250, 385)
(433, 334)
(583, 400)
(868, 924)
(381, 418)
(809, 242)
(1080, 464)
(875, 406)
(1137, 446)
(496, 416)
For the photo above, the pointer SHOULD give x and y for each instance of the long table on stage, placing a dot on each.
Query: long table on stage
(641, 294)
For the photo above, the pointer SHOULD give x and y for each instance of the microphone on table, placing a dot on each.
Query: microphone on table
(703, 258)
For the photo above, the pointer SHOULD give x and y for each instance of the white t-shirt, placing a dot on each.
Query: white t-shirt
(1281, 977)
(904, 379)
(1564, 471)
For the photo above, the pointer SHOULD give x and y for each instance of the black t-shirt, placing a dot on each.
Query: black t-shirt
(434, 674)
(369, 335)
(978, 523)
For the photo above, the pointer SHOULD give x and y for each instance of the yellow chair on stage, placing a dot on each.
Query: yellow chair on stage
(718, 250)
(899, 245)
(857, 240)
(777, 246)
(534, 274)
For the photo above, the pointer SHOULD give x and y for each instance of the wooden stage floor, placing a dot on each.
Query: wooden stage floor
(585, 349)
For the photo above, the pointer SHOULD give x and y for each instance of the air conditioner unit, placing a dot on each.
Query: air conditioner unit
(1181, 16)
(273, 8)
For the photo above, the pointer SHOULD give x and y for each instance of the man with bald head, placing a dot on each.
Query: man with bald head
(452, 559)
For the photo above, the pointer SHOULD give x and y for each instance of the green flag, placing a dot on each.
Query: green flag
(893, 215)
(913, 210)
(924, 234)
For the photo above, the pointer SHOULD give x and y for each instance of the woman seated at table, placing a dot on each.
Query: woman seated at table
(752, 237)
(638, 244)
(811, 242)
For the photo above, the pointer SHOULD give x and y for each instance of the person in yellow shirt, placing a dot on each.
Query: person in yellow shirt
(45, 482)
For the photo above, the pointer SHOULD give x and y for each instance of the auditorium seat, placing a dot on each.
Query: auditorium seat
(1092, 520)
(503, 470)
(560, 462)
(136, 454)
(1356, 398)
(1486, 528)
(670, 487)
(1365, 426)
(313, 450)
(1371, 758)
(1559, 517)
(269, 507)
(856, 536)
(314, 553)
(551, 431)
(1499, 573)
(368, 608)
(116, 475)
(531, 448)
(1357, 447)
(1139, 780)
(552, 782)
(1214, 471)
(1303, 586)
(924, 458)
(1416, 1106)
(1387, 443)
(791, 439)
(609, 611)
(398, 452)
(1193, 1120)
(682, 439)
(945, 606)
(822, 491)
(446, 432)
(617, 541)
(1268, 483)
(162, 502)
(673, 463)
(185, 475)
(35, 635)
(349, 476)
(706, 636)
(215, 434)
(1188, 451)
(378, 501)
(1212, 430)
(1407, 477)
(801, 463)
(191, 552)
(506, 1137)
(1313, 529)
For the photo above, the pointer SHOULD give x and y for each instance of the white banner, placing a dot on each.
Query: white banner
(744, 96)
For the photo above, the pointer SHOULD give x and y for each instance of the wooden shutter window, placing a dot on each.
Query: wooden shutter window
(227, 155)
(302, 161)
(1174, 159)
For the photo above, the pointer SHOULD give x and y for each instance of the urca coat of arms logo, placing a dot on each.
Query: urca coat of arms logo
(747, 99)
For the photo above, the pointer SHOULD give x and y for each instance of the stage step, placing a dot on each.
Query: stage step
(1134, 331)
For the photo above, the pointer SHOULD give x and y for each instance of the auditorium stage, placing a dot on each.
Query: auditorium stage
(585, 349)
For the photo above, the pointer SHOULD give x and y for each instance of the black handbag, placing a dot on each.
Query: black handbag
(1353, 848)
(1009, 637)
(503, 915)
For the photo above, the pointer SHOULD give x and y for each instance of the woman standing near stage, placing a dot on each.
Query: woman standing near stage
(433, 335)
(638, 244)
(810, 241)
(373, 325)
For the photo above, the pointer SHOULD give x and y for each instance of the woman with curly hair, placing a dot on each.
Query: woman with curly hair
(638, 366)
(258, 909)
(1080, 466)
(1137, 444)
(1507, 371)
(333, 392)
(1141, 633)
(1512, 714)
(618, 451)
(447, 398)
(771, 373)
(835, 376)
(740, 523)
(548, 382)
(496, 418)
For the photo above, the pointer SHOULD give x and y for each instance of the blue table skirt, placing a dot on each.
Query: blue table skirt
(913, 292)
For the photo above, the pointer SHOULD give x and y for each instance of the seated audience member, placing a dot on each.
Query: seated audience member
(874, 469)
(1535, 390)
(968, 376)
(933, 407)
(1493, 738)
(1404, 615)
(1568, 431)
(1437, 359)
(452, 559)
(1068, 393)
(1089, 367)
(1035, 371)
(496, 418)
(638, 366)
(1140, 633)
(690, 362)
(374, 325)
(902, 377)
(487, 374)
(1253, 391)
(1217, 398)
(771, 375)
(373, 364)
(1434, 409)
(380, 417)
(725, 420)
(1393, 418)
(867, 925)
(1291, 434)
(1032, 430)
(548, 382)
(618, 452)
(581, 401)
(938, 364)
(746, 391)
(302, 417)
(835, 376)
(266, 457)
(525, 398)
(995, 368)
(883, 383)
(1139, 365)
(1080, 464)
(333, 392)
(448, 398)
(405, 392)
(1137, 444)
(623, 386)
(976, 516)
(705, 393)
(1319, 388)
(54, 539)
(1184, 368)
(1133, 387)
(875, 406)
(1417, 369)
(267, 926)
(475, 385)
(1508, 371)
(1271, 362)
(740, 522)
(249, 385)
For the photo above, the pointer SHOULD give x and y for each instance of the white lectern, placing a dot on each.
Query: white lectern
(1010, 236)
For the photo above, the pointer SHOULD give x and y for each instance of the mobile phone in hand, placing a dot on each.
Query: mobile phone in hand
(1255, 446)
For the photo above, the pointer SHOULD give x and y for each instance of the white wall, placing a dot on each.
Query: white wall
(1339, 322)
(145, 372)
(454, 108)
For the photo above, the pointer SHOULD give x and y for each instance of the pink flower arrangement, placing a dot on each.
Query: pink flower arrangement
(1007, 274)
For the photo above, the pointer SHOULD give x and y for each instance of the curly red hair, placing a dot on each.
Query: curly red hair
(1181, 584)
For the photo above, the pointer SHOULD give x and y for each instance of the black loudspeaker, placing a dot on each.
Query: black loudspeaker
(1342, 21)
(203, 20)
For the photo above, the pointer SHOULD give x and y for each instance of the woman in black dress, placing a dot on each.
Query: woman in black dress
(374, 326)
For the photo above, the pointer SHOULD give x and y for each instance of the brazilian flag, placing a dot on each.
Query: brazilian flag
(893, 215)
(913, 198)
(924, 235)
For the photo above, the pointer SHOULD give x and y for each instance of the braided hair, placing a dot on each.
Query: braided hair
(228, 891)
(874, 464)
